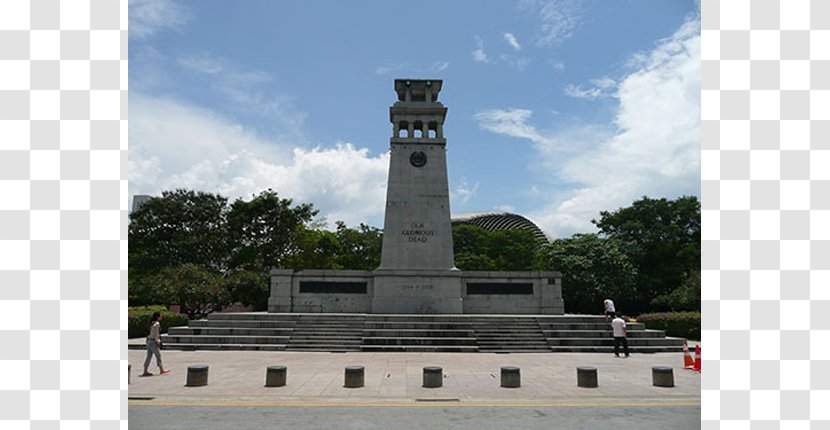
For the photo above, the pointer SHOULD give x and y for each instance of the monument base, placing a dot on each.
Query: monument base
(416, 292)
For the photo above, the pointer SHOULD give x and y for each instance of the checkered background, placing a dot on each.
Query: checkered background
(63, 212)
(765, 100)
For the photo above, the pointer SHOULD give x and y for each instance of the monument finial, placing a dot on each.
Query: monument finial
(418, 114)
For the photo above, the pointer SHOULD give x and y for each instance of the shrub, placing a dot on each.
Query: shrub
(138, 320)
(677, 324)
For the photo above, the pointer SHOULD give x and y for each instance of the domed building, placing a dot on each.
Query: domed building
(495, 221)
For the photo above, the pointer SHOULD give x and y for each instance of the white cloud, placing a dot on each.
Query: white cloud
(148, 17)
(202, 63)
(513, 123)
(557, 65)
(463, 193)
(511, 40)
(602, 87)
(177, 145)
(519, 64)
(478, 53)
(559, 19)
(440, 66)
(651, 147)
(406, 68)
(241, 86)
(388, 68)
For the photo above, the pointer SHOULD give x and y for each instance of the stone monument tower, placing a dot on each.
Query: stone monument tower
(417, 223)
(416, 272)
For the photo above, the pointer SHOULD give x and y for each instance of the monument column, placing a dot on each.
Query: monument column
(417, 273)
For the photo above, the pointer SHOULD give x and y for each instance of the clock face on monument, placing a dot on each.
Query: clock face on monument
(418, 159)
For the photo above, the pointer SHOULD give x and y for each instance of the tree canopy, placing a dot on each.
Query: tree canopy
(194, 249)
(185, 237)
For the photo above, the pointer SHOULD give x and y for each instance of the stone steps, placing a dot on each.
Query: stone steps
(419, 341)
(223, 347)
(416, 333)
(632, 342)
(227, 331)
(589, 326)
(243, 324)
(610, 349)
(168, 339)
(602, 333)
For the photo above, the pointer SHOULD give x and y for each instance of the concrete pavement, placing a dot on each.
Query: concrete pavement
(316, 378)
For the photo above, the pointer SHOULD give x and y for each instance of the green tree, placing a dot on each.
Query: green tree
(251, 288)
(662, 239)
(478, 249)
(316, 249)
(179, 227)
(264, 231)
(592, 269)
(358, 248)
(197, 290)
(514, 249)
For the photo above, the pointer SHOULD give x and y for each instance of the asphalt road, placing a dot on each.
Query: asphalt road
(443, 416)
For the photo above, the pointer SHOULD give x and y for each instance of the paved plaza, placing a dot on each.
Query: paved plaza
(238, 377)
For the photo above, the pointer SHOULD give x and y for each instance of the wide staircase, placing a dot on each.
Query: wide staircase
(411, 333)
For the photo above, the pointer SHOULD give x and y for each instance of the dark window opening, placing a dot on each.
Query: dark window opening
(333, 287)
(499, 288)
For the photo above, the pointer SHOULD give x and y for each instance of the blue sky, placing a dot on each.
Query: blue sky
(558, 109)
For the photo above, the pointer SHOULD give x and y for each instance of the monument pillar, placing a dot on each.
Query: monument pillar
(417, 273)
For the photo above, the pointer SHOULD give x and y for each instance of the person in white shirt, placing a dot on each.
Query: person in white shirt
(609, 308)
(620, 335)
(154, 344)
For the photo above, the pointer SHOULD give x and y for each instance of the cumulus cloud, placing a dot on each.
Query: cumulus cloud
(463, 193)
(602, 87)
(651, 147)
(440, 66)
(435, 67)
(511, 122)
(148, 17)
(202, 63)
(478, 53)
(511, 40)
(558, 19)
(177, 145)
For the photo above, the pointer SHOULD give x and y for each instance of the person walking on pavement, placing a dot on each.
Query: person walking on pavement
(609, 308)
(154, 345)
(620, 335)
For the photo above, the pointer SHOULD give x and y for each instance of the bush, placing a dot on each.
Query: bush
(138, 320)
(677, 324)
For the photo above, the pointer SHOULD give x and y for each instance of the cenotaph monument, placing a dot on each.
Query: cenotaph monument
(417, 274)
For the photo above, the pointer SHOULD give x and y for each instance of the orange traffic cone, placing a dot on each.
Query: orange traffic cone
(697, 358)
(688, 361)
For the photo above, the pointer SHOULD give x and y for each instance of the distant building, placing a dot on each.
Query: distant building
(139, 200)
(495, 221)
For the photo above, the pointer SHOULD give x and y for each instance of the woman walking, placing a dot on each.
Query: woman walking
(154, 344)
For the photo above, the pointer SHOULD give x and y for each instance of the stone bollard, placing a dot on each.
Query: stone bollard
(129, 371)
(586, 377)
(275, 376)
(197, 375)
(510, 377)
(354, 377)
(433, 377)
(662, 376)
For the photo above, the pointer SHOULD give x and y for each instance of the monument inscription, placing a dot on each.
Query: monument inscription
(417, 233)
